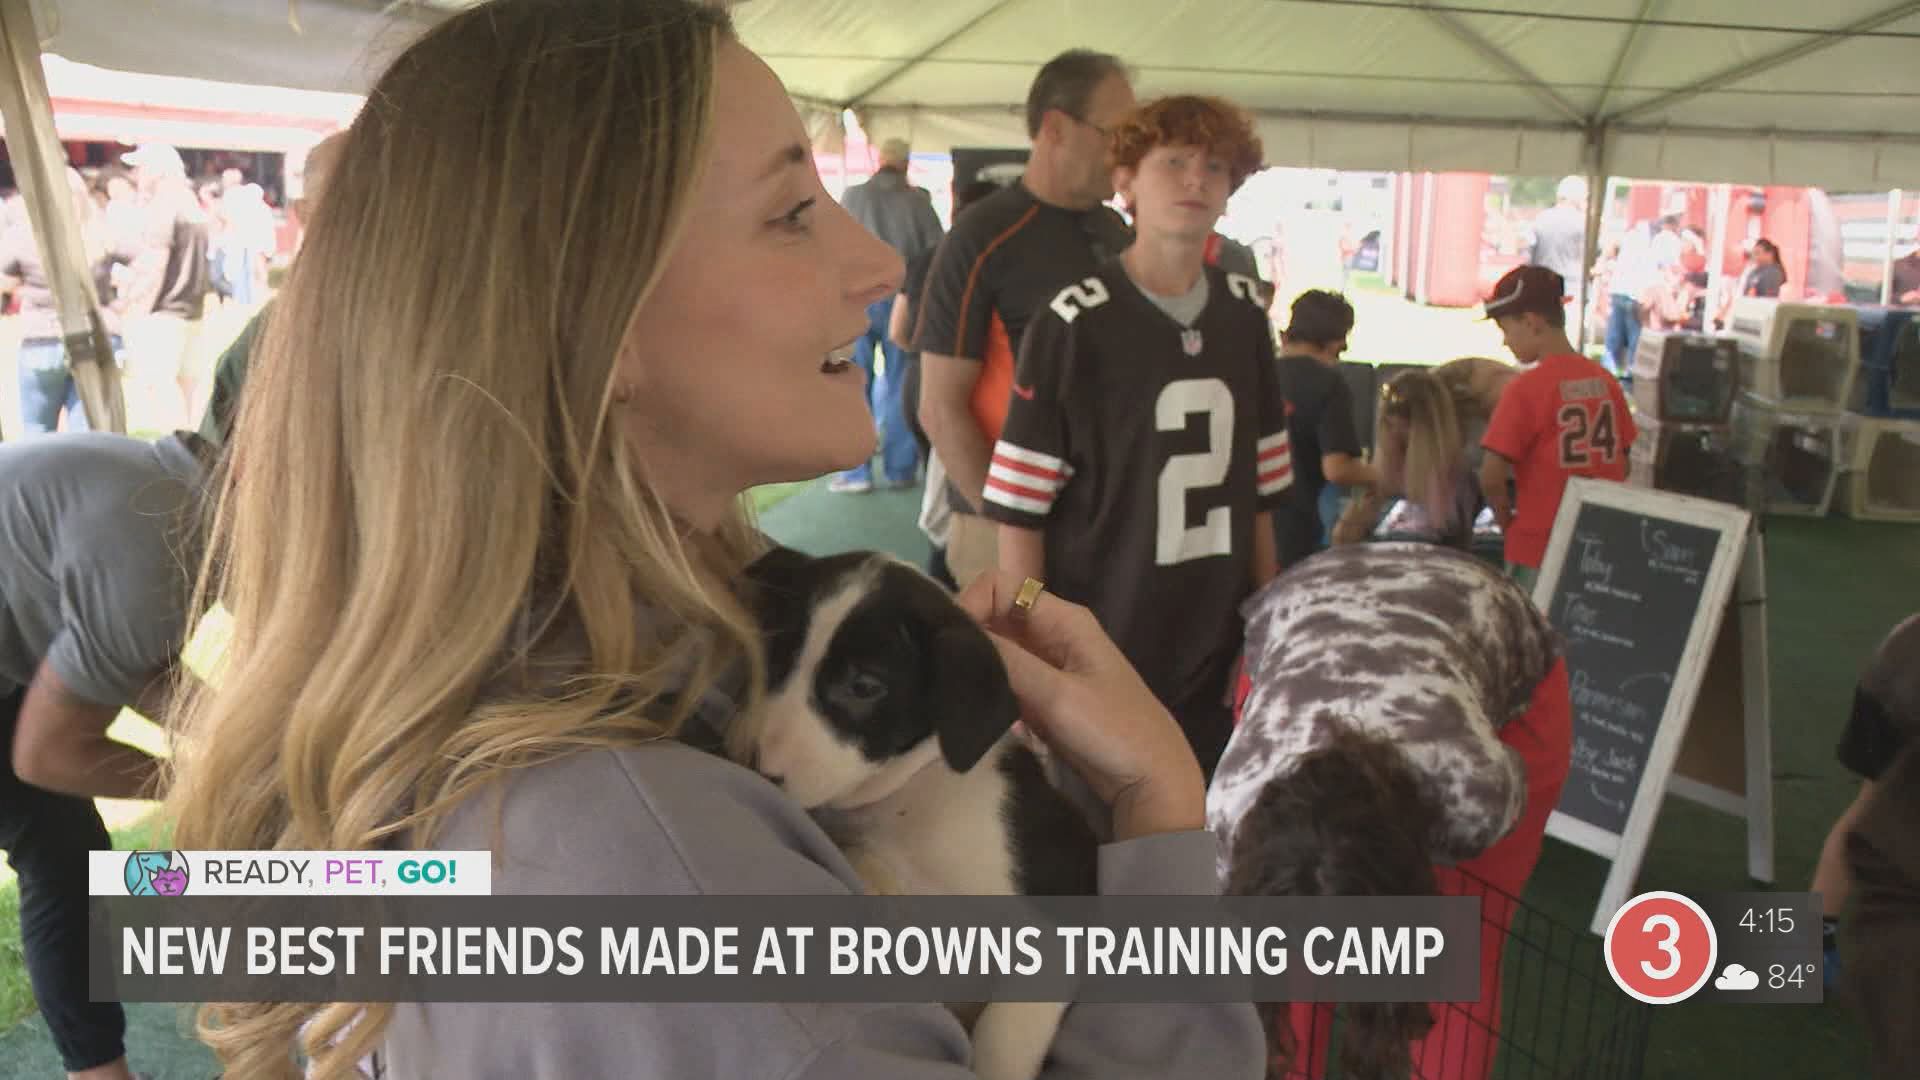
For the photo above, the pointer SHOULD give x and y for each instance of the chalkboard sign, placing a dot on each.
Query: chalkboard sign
(1625, 604)
(1637, 582)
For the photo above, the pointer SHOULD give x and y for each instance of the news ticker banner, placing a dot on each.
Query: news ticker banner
(423, 926)
(411, 947)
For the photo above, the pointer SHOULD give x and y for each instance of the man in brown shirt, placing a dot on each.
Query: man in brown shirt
(1011, 254)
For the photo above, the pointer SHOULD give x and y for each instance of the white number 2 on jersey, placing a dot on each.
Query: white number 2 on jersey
(1174, 542)
(1073, 299)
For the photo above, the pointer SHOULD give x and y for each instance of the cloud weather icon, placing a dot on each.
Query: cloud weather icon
(1737, 978)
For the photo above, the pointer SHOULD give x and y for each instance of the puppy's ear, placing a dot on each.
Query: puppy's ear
(972, 700)
(776, 585)
(779, 567)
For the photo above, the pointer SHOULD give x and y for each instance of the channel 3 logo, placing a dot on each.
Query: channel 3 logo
(156, 873)
(1661, 949)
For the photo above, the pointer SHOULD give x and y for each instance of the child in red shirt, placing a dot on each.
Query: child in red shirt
(1562, 416)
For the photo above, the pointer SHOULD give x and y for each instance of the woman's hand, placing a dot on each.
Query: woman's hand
(1359, 519)
(1079, 694)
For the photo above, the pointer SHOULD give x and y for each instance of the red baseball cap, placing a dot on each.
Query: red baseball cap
(1526, 288)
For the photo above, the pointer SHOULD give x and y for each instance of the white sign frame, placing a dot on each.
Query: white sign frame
(1626, 849)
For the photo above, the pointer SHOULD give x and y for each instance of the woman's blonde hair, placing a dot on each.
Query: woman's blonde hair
(440, 562)
(1420, 452)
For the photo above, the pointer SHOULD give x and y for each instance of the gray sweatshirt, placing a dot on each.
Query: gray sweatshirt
(667, 819)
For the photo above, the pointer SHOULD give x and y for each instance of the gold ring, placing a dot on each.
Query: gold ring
(1030, 591)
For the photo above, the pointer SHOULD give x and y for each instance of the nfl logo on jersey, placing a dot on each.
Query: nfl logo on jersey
(1190, 341)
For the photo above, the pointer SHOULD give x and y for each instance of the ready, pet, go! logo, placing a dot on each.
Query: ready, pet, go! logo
(157, 873)
(205, 874)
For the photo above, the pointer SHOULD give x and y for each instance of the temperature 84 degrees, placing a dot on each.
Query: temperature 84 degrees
(1796, 976)
(1661, 948)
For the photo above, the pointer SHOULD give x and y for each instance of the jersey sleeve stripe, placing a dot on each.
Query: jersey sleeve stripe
(1021, 477)
(1275, 478)
(1019, 456)
(1017, 469)
(973, 276)
(1025, 500)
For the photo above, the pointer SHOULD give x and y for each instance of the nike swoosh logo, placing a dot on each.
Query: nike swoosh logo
(1026, 392)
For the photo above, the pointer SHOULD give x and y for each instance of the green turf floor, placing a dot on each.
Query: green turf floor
(1835, 586)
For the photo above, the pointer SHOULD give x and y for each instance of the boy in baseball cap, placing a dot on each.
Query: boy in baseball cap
(1563, 416)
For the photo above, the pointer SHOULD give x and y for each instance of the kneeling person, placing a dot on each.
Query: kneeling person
(98, 544)
(1146, 436)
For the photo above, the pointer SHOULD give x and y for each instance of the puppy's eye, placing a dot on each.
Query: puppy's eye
(864, 688)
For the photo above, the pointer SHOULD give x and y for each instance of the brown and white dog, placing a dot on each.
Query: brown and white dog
(888, 715)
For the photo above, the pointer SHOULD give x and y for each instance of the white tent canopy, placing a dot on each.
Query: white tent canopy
(1767, 91)
(1828, 94)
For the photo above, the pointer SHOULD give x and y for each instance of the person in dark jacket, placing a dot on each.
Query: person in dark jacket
(1880, 836)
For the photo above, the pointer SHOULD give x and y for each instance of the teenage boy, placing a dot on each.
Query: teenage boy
(1146, 436)
(1562, 416)
(1321, 427)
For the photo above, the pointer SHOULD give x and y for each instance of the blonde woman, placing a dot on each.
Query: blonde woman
(574, 288)
(1428, 432)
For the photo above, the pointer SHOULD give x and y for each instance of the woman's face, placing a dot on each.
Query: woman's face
(727, 360)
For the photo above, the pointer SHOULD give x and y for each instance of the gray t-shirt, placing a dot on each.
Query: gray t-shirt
(1183, 309)
(1560, 245)
(667, 819)
(98, 565)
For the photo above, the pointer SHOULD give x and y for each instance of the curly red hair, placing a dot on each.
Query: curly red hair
(1189, 120)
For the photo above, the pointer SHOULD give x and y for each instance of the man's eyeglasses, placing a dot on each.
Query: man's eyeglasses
(1105, 133)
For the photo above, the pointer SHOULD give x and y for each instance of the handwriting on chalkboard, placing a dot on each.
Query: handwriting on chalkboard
(1592, 565)
(1596, 573)
(1580, 613)
(1627, 596)
(1618, 806)
(1657, 676)
(1582, 620)
(1663, 554)
(1613, 712)
(1603, 763)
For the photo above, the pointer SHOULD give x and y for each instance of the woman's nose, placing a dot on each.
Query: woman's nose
(878, 271)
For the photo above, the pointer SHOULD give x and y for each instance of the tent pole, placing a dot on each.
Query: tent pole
(1599, 194)
(1402, 230)
(1894, 198)
(1718, 213)
(40, 167)
(1422, 271)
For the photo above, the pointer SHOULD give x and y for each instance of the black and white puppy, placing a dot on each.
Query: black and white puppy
(888, 714)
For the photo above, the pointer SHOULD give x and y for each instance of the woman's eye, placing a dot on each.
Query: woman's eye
(795, 219)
